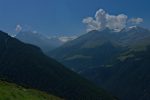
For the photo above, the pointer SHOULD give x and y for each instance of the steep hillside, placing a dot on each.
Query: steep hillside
(115, 60)
(9, 91)
(26, 65)
(130, 77)
(127, 76)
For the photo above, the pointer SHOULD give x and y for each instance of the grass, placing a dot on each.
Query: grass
(9, 91)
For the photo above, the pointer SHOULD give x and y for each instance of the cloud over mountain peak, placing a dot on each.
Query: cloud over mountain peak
(104, 20)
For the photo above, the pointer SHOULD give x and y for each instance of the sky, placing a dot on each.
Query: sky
(65, 16)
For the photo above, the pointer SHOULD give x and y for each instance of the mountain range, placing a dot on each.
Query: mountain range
(40, 40)
(117, 61)
(26, 65)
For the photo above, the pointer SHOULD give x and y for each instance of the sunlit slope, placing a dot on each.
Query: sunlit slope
(9, 91)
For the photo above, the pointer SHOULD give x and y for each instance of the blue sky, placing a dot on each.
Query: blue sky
(64, 16)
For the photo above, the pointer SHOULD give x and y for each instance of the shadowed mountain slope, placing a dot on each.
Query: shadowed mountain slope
(26, 65)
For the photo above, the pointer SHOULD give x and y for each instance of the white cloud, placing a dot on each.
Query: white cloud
(100, 17)
(67, 38)
(104, 20)
(98, 23)
(91, 24)
(116, 22)
(136, 20)
(18, 28)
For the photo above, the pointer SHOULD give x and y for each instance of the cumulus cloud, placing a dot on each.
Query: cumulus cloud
(91, 24)
(100, 17)
(18, 28)
(116, 23)
(136, 20)
(97, 23)
(104, 20)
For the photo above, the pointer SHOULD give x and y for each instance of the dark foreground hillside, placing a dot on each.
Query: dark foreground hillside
(26, 65)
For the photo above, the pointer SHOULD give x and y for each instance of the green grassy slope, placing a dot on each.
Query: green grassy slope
(9, 91)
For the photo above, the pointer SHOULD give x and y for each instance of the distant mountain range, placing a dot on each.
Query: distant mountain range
(45, 43)
(119, 61)
(26, 65)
